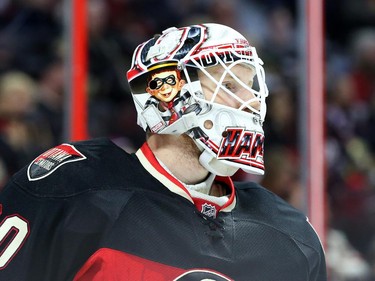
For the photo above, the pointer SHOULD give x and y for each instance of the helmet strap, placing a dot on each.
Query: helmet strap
(216, 166)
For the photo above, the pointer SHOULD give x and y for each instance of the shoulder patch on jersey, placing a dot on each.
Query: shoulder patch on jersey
(48, 162)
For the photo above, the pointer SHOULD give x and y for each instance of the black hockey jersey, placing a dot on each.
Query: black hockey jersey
(90, 211)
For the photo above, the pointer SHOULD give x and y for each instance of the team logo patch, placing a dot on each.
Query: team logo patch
(46, 163)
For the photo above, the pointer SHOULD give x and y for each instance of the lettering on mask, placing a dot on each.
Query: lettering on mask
(238, 143)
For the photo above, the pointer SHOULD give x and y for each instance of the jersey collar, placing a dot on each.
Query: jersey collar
(152, 165)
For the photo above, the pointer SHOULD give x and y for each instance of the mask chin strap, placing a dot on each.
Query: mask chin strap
(216, 166)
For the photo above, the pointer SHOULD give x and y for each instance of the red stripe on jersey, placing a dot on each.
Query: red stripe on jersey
(113, 265)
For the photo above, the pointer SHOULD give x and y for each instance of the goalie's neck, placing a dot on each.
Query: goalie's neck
(180, 155)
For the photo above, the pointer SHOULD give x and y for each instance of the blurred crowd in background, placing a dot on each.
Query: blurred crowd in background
(32, 88)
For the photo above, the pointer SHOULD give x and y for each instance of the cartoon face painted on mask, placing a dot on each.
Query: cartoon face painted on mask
(165, 85)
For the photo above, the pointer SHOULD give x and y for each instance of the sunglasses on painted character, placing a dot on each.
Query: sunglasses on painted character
(157, 83)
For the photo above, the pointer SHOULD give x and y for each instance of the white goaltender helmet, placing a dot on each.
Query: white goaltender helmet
(230, 138)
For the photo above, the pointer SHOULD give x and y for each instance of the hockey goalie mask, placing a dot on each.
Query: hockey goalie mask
(208, 82)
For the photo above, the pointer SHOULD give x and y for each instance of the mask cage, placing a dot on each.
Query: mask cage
(228, 59)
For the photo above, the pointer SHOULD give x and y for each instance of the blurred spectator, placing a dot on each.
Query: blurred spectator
(107, 84)
(21, 137)
(106, 62)
(282, 175)
(350, 143)
(363, 46)
(280, 44)
(50, 100)
(281, 124)
(28, 35)
(363, 49)
(345, 262)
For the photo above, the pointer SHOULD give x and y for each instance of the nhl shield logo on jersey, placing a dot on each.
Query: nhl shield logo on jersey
(209, 210)
(46, 163)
